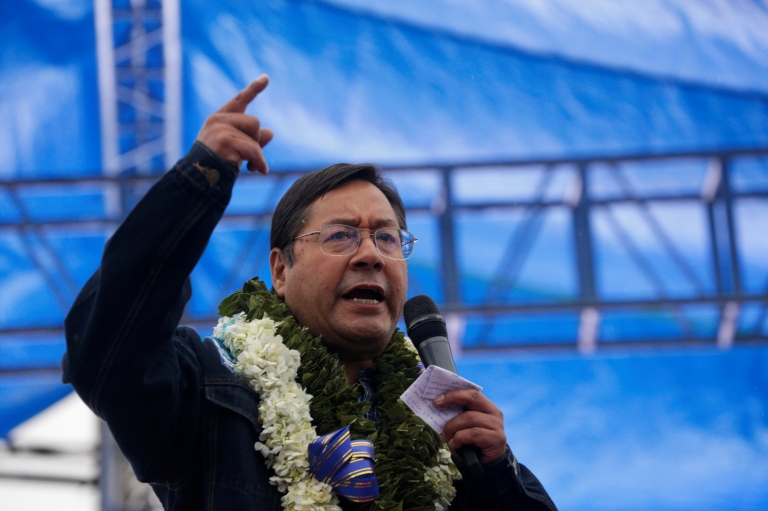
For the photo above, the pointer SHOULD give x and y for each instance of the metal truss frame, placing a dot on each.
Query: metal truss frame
(121, 491)
(139, 71)
(716, 195)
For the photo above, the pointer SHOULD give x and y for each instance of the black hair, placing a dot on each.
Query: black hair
(294, 208)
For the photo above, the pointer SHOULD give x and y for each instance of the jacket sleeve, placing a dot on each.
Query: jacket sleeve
(125, 357)
(506, 485)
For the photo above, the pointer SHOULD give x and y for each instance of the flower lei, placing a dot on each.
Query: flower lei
(304, 393)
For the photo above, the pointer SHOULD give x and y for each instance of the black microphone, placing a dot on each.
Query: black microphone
(426, 328)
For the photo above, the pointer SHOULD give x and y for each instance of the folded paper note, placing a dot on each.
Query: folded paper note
(433, 382)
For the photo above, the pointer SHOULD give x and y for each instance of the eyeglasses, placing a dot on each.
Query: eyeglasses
(341, 240)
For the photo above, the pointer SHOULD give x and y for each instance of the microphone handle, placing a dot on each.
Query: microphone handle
(437, 351)
(471, 455)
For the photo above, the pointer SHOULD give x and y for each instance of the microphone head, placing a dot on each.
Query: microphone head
(423, 319)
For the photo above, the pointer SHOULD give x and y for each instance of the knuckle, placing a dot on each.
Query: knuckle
(224, 139)
(214, 118)
(467, 436)
(472, 417)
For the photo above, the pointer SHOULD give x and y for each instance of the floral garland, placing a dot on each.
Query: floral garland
(304, 393)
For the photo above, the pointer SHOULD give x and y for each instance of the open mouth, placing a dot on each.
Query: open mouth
(365, 296)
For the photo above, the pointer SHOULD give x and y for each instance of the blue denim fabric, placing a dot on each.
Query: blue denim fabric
(185, 422)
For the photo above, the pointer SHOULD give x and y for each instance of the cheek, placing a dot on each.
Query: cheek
(400, 288)
(318, 283)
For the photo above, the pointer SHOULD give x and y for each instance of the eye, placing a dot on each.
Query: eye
(388, 236)
(337, 233)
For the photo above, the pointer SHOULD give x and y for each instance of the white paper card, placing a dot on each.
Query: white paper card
(434, 382)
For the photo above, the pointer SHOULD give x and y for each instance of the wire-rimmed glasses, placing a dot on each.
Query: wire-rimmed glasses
(340, 240)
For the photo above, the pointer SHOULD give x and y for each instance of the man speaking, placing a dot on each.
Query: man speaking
(293, 402)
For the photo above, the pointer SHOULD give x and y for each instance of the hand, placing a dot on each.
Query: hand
(235, 136)
(482, 424)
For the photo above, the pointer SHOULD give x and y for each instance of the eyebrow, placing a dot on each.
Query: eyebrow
(376, 224)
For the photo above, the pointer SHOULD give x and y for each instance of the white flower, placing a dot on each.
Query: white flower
(442, 476)
(270, 368)
(306, 494)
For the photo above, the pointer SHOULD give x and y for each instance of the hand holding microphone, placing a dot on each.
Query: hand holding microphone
(478, 433)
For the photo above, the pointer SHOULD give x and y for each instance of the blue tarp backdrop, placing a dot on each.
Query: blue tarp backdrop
(445, 81)
(347, 86)
(662, 431)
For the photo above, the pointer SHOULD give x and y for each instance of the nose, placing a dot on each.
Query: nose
(367, 255)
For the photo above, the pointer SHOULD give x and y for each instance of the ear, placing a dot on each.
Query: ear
(277, 268)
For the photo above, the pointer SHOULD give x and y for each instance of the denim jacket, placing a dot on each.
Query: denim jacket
(185, 422)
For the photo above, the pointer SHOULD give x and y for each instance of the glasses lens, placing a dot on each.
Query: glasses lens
(339, 239)
(394, 243)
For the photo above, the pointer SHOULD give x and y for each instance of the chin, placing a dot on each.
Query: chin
(375, 335)
(368, 341)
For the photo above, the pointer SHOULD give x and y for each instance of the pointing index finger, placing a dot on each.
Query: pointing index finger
(239, 103)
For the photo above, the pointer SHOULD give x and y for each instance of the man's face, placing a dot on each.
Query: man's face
(353, 301)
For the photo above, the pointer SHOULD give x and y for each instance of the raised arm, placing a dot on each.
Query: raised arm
(125, 356)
